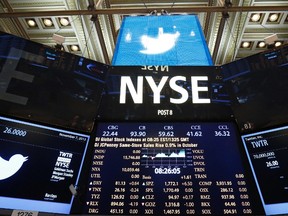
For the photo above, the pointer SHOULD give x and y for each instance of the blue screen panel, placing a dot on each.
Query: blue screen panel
(172, 40)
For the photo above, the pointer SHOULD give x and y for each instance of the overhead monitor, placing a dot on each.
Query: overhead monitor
(258, 87)
(37, 166)
(161, 40)
(42, 84)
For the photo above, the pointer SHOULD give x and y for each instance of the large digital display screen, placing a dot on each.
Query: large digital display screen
(165, 92)
(37, 166)
(42, 84)
(258, 87)
(161, 40)
(179, 168)
(267, 151)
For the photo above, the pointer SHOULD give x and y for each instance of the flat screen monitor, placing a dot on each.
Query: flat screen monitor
(169, 168)
(37, 166)
(42, 84)
(257, 86)
(161, 40)
(267, 152)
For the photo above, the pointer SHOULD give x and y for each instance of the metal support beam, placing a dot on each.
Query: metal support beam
(208, 15)
(218, 38)
(95, 20)
(110, 17)
(101, 39)
(143, 11)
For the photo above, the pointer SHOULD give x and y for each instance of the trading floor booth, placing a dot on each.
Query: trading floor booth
(81, 137)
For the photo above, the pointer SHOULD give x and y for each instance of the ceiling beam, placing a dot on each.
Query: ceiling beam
(208, 16)
(101, 39)
(95, 20)
(219, 37)
(144, 11)
(16, 22)
(110, 18)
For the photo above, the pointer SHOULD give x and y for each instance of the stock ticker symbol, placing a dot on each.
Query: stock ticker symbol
(9, 167)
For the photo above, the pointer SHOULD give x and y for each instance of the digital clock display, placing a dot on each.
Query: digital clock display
(153, 168)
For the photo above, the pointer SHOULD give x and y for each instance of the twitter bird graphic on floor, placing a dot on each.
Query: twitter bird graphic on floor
(9, 167)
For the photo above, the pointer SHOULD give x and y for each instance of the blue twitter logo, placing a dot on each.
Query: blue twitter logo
(9, 167)
(162, 43)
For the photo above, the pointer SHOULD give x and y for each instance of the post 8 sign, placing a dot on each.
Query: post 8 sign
(144, 92)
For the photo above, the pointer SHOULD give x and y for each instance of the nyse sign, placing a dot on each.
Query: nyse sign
(164, 92)
(175, 83)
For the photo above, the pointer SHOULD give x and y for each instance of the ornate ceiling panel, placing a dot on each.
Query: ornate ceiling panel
(232, 31)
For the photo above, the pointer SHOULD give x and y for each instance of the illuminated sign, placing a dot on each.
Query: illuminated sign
(161, 92)
(137, 95)
(161, 40)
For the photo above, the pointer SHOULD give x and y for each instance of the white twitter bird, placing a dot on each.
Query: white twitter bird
(10, 167)
(160, 44)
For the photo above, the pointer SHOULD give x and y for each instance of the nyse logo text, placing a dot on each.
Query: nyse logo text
(136, 91)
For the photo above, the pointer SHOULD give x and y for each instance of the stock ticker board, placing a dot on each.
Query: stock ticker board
(145, 168)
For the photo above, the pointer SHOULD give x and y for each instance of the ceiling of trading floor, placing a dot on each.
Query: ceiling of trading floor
(233, 29)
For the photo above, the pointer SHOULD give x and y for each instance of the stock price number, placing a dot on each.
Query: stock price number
(15, 132)
(137, 133)
(273, 163)
(109, 133)
(166, 133)
(175, 170)
(171, 211)
(194, 133)
(222, 133)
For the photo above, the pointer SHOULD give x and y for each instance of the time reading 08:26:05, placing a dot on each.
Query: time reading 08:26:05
(168, 170)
